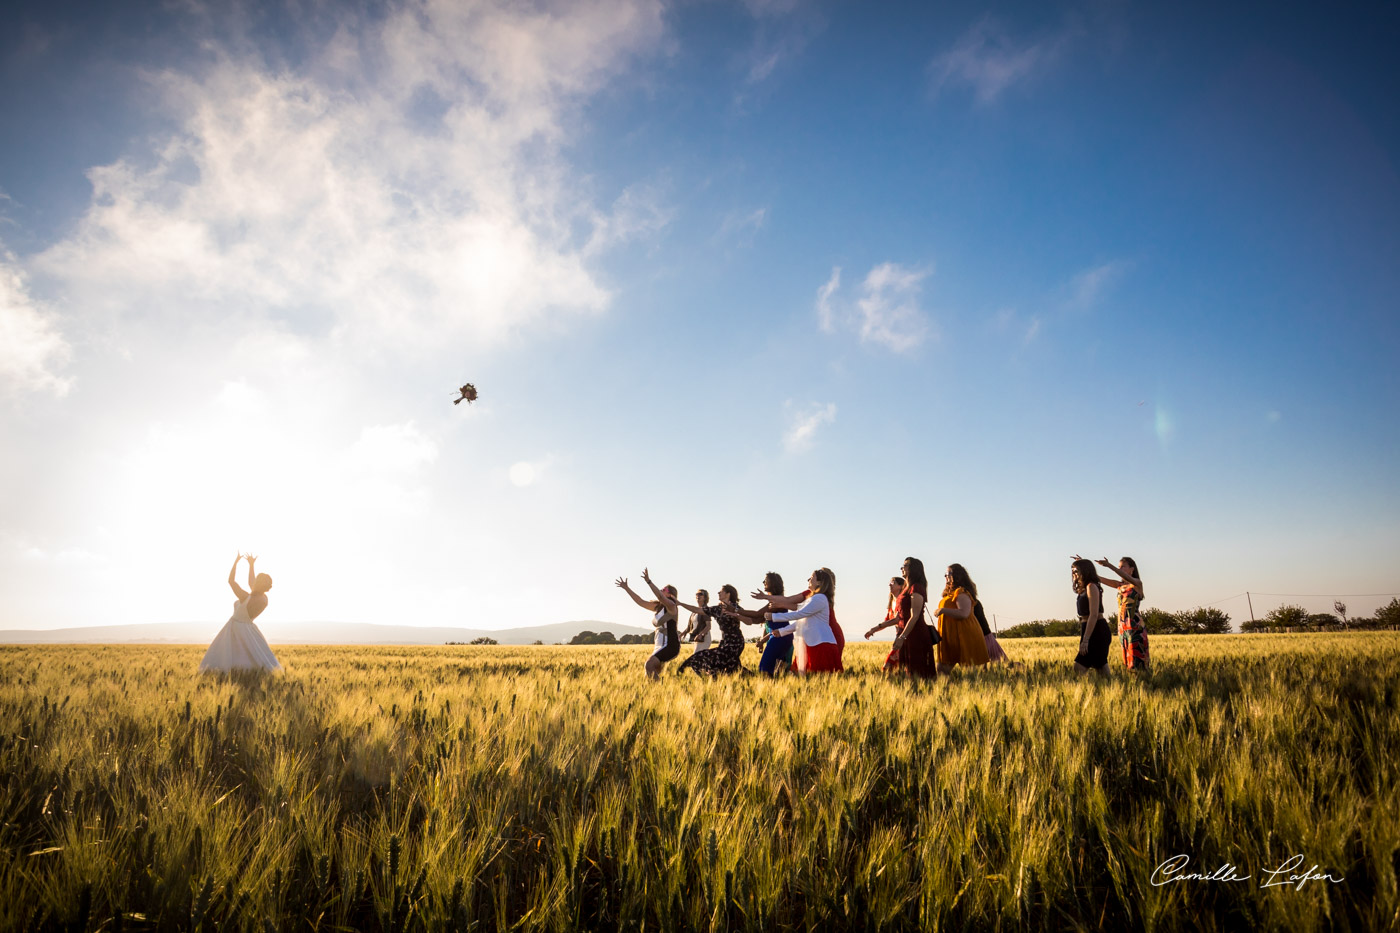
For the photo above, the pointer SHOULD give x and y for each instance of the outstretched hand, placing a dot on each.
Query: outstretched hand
(645, 575)
(622, 582)
(1103, 562)
(758, 594)
(870, 634)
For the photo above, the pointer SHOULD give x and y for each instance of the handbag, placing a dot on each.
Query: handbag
(933, 635)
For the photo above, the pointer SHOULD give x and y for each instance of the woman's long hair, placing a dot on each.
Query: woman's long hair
(733, 594)
(889, 605)
(825, 583)
(960, 580)
(1136, 572)
(773, 583)
(914, 571)
(1087, 573)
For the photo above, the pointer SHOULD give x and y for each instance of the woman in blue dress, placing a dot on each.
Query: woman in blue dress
(777, 649)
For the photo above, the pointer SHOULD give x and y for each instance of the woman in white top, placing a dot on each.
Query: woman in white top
(239, 646)
(663, 609)
(699, 626)
(817, 646)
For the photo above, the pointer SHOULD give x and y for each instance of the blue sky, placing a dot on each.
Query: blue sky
(745, 287)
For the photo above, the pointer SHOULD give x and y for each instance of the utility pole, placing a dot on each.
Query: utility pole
(1251, 607)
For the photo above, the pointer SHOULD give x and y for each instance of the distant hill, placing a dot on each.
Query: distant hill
(309, 633)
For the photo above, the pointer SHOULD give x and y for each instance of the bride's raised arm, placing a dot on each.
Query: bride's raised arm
(238, 590)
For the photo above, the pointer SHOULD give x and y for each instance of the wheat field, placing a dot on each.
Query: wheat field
(552, 788)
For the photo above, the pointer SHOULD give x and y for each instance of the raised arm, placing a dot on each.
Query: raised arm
(238, 590)
(251, 558)
(748, 616)
(779, 603)
(661, 595)
(812, 607)
(647, 604)
(1132, 581)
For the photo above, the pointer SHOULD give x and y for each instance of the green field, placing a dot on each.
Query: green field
(552, 788)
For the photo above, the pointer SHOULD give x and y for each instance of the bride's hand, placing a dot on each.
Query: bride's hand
(251, 557)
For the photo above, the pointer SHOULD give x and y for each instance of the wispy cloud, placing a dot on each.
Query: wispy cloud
(1089, 287)
(32, 349)
(826, 313)
(989, 61)
(740, 227)
(886, 314)
(805, 422)
(783, 29)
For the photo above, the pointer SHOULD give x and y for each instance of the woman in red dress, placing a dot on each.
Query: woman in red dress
(913, 646)
(818, 650)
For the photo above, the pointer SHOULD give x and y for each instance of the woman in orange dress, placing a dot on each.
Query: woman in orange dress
(962, 641)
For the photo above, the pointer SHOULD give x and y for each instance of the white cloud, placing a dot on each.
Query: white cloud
(989, 61)
(826, 314)
(31, 346)
(889, 307)
(802, 429)
(279, 296)
(1089, 286)
(887, 313)
(323, 198)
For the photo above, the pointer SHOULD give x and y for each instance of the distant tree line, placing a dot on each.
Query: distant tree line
(1200, 621)
(1297, 619)
(481, 640)
(608, 638)
(1208, 621)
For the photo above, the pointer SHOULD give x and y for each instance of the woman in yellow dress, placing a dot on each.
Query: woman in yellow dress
(961, 637)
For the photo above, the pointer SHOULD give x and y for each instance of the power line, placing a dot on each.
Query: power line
(1323, 595)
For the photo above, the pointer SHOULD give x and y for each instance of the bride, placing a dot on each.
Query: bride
(239, 645)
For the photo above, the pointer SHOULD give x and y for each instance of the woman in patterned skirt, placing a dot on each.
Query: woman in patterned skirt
(961, 639)
(1131, 632)
(994, 649)
(724, 657)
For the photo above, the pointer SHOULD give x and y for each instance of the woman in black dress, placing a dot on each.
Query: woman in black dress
(724, 657)
(1094, 635)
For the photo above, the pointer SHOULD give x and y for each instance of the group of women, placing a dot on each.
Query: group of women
(801, 634)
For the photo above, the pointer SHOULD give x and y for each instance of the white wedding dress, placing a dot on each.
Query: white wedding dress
(239, 646)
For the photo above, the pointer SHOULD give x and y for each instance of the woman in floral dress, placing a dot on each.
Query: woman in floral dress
(724, 657)
(1131, 632)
